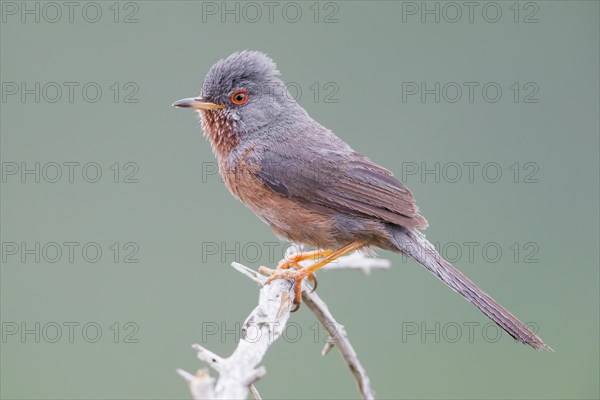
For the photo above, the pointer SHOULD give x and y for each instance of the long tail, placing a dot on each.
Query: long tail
(413, 244)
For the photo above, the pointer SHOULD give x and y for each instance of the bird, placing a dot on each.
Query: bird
(311, 187)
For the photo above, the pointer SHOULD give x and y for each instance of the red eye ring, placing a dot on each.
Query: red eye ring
(239, 97)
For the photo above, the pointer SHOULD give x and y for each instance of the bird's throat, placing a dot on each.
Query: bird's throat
(220, 132)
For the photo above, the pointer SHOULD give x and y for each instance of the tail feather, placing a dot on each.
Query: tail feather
(413, 244)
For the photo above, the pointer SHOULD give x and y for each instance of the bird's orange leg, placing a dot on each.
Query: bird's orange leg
(294, 262)
(298, 275)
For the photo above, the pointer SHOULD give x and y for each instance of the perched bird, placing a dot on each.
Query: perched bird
(310, 187)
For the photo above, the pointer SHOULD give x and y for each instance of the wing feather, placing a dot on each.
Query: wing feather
(345, 181)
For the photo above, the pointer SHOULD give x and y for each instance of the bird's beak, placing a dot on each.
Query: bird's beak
(196, 103)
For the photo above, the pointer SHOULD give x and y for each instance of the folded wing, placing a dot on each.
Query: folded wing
(345, 181)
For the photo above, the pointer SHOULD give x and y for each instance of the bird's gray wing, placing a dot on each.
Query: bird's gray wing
(345, 181)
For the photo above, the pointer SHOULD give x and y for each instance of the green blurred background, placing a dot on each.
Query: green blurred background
(363, 56)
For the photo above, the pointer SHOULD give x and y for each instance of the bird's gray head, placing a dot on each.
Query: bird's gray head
(242, 92)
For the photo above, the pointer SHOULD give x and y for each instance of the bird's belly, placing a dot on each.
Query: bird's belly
(296, 223)
(289, 218)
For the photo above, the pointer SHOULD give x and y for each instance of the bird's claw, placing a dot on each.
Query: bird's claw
(294, 263)
(283, 271)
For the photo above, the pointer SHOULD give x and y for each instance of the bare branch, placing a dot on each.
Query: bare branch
(264, 326)
(254, 393)
(356, 261)
(338, 337)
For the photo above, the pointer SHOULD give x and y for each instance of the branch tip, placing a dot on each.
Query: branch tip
(327, 348)
(250, 273)
(208, 356)
(185, 375)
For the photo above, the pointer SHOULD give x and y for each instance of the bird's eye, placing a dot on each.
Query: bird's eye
(239, 97)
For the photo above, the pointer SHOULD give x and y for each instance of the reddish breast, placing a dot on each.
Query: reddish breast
(288, 218)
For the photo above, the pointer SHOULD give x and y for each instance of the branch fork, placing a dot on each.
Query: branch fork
(239, 372)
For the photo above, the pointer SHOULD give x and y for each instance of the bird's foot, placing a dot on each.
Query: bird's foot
(294, 262)
(283, 270)
(297, 276)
